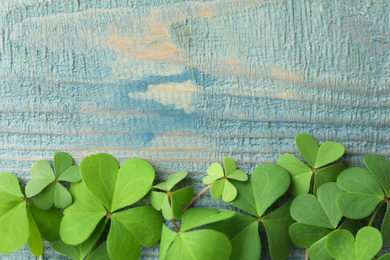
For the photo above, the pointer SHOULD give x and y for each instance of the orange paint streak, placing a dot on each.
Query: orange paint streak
(154, 42)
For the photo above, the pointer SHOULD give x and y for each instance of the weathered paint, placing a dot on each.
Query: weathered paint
(185, 83)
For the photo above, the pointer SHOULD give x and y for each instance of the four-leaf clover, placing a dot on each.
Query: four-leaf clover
(45, 185)
(221, 186)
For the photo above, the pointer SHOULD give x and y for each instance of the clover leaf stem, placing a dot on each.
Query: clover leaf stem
(174, 223)
(197, 196)
(97, 241)
(306, 253)
(311, 191)
(375, 212)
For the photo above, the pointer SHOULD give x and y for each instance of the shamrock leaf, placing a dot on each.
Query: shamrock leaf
(316, 218)
(20, 224)
(267, 184)
(105, 190)
(362, 193)
(342, 245)
(221, 186)
(317, 157)
(45, 184)
(171, 202)
(42, 224)
(364, 190)
(384, 257)
(47, 221)
(101, 253)
(199, 244)
(380, 168)
(14, 225)
(34, 239)
(79, 251)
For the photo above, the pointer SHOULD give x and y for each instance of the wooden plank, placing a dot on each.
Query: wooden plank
(183, 84)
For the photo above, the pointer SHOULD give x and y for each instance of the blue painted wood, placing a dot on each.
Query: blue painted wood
(185, 83)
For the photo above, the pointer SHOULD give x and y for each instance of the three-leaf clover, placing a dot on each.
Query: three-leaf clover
(171, 202)
(268, 183)
(105, 190)
(221, 186)
(341, 244)
(21, 221)
(364, 190)
(204, 244)
(45, 185)
(316, 218)
(303, 178)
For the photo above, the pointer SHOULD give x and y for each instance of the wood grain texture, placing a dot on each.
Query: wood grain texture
(183, 84)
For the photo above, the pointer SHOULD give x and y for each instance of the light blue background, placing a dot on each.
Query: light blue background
(183, 84)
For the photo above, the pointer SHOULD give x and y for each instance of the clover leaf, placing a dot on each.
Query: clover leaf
(22, 222)
(105, 190)
(47, 221)
(45, 185)
(267, 184)
(384, 257)
(79, 251)
(362, 193)
(198, 244)
(14, 225)
(302, 176)
(221, 186)
(171, 202)
(101, 253)
(364, 190)
(341, 244)
(316, 218)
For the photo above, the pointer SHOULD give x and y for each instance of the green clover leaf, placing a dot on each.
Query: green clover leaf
(316, 218)
(380, 168)
(21, 222)
(267, 184)
(101, 253)
(384, 257)
(364, 190)
(79, 251)
(362, 193)
(171, 202)
(14, 225)
(42, 224)
(221, 186)
(34, 239)
(199, 244)
(105, 189)
(47, 221)
(317, 157)
(341, 244)
(45, 184)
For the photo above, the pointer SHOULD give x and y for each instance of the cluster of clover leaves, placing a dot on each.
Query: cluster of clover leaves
(105, 214)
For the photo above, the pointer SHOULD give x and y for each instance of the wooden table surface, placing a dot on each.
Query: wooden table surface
(183, 84)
